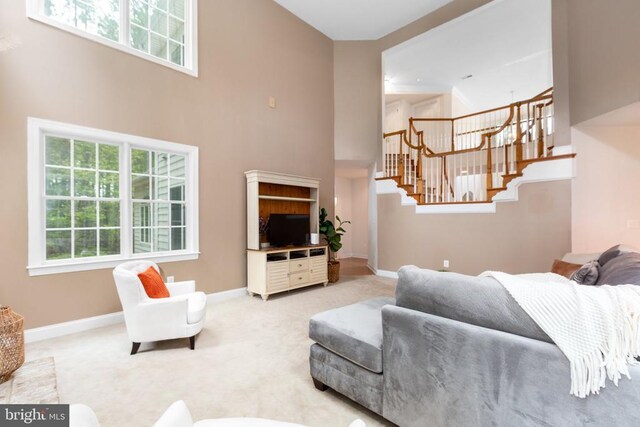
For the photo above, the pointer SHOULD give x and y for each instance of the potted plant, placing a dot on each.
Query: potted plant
(263, 229)
(332, 236)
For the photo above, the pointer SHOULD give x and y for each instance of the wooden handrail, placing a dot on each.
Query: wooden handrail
(444, 119)
(534, 120)
(403, 133)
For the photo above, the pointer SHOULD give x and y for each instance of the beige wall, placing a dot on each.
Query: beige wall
(359, 217)
(343, 202)
(359, 84)
(351, 205)
(520, 237)
(248, 50)
(471, 242)
(358, 100)
(603, 56)
(606, 206)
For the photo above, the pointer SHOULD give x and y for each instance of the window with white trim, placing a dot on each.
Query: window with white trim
(163, 31)
(98, 197)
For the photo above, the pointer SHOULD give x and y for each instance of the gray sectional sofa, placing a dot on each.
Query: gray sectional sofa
(455, 350)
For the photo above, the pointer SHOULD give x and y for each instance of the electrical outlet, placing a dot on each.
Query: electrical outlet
(272, 102)
(170, 279)
(445, 264)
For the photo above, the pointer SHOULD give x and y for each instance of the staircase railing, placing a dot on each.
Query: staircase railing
(473, 157)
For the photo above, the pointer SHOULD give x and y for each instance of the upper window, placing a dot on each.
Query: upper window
(163, 31)
(97, 198)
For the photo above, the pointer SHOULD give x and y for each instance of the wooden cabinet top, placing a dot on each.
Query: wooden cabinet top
(288, 248)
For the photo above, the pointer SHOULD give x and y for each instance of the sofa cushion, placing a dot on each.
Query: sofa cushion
(354, 332)
(480, 301)
(621, 270)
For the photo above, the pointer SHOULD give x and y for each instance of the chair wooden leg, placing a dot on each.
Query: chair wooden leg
(134, 348)
(192, 342)
(319, 385)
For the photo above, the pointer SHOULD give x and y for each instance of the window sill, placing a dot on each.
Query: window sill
(70, 267)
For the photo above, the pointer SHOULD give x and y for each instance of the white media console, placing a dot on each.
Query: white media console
(274, 270)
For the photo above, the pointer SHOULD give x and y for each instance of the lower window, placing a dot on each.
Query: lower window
(98, 197)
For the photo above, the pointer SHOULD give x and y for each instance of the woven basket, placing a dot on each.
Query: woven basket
(334, 271)
(11, 342)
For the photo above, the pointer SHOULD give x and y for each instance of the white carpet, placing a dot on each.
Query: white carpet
(252, 359)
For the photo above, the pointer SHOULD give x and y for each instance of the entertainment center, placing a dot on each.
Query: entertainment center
(293, 200)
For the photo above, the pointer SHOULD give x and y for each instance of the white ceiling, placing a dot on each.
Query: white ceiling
(505, 45)
(360, 19)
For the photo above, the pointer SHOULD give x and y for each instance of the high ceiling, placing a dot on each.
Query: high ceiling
(505, 46)
(360, 19)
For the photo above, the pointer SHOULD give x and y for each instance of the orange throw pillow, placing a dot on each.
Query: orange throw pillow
(563, 268)
(153, 284)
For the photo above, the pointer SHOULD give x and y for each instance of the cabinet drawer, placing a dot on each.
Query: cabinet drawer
(300, 264)
(299, 278)
(277, 276)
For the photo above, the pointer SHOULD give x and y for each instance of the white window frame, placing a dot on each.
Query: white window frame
(35, 11)
(38, 264)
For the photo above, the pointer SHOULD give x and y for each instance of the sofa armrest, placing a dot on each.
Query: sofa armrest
(575, 258)
(82, 416)
(181, 288)
(158, 319)
(177, 415)
(439, 371)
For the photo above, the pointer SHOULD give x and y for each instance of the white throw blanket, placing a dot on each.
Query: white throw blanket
(597, 328)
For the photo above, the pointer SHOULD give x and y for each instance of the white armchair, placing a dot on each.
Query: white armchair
(181, 315)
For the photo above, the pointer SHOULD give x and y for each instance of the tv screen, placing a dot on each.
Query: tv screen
(288, 229)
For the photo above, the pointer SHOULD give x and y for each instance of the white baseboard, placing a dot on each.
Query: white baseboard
(353, 255)
(72, 327)
(225, 295)
(373, 270)
(359, 256)
(86, 324)
(387, 273)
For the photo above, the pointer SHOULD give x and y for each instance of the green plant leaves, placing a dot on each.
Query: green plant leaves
(331, 234)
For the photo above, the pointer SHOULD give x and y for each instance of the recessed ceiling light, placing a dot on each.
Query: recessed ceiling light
(419, 80)
(468, 76)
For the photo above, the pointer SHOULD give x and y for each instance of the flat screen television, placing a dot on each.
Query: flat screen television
(288, 229)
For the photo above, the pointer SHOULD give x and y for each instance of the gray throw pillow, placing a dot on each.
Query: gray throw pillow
(622, 270)
(587, 274)
(615, 252)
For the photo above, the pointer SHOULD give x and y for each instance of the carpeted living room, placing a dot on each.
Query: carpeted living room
(319, 213)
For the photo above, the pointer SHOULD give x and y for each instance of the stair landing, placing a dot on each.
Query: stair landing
(553, 168)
